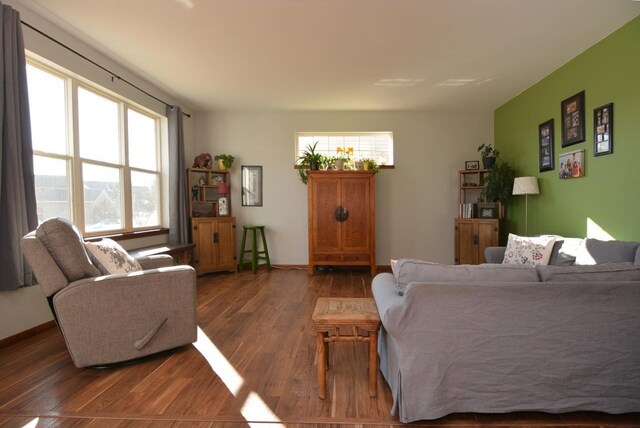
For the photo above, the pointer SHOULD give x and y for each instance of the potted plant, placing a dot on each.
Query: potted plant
(498, 183)
(224, 161)
(341, 160)
(309, 160)
(369, 164)
(488, 154)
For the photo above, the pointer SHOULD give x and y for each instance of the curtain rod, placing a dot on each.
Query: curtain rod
(99, 66)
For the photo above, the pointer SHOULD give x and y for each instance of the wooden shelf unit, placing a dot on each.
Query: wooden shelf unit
(473, 234)
(212, 232)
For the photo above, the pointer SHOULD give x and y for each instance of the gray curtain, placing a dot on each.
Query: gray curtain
(18, 214)
(178, 192)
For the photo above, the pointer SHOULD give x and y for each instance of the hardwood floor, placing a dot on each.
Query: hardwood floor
(254, 363)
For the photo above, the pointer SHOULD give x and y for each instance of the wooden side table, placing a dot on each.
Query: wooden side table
(358, 314)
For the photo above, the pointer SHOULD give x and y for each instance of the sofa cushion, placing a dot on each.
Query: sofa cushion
(63, 241)
(637, 262)
(604, 272)
(408, 271)
(534, 251)
(111, 258)
(564, 251)
(595, 251)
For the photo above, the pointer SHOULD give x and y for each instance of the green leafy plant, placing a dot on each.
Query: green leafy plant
(498, 182)
(227, 160)
(310, 158)
(487, 151)
(370, 165)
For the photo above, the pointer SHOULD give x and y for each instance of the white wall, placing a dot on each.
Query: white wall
(26, 308)
(415, 203)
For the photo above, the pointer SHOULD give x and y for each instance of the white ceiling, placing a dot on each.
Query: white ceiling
(449, 55)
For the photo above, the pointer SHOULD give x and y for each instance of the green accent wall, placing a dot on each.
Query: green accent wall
(608, 196)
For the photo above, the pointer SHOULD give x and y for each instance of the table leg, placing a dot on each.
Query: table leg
(373, 363)
(321, 353)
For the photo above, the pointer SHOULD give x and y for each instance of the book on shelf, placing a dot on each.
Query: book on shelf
(466, 210)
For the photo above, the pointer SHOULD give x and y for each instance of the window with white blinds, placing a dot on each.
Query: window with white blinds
(358, 145)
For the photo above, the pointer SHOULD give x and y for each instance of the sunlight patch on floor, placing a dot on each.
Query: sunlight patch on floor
(220, 365)
(254, 409)
(32, 424)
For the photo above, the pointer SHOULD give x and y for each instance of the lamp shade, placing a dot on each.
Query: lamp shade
(525, 186)
(223, 188)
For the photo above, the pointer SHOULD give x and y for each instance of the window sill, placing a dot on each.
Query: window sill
(129, 235)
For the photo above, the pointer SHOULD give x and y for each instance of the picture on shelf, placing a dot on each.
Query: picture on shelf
(472, 165)
(487, 210)
(603, 130)
(223, 209)
(572, 164)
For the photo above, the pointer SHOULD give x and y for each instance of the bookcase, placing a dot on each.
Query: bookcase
(212, 225)
(477, 225)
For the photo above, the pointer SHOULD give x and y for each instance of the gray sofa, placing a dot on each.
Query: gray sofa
(501, 338)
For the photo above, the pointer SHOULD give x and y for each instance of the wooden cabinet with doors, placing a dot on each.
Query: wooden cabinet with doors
(341, 219)
(215, 244)
(472, 236)
(212, 226)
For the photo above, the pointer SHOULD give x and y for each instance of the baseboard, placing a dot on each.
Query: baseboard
(7, 341)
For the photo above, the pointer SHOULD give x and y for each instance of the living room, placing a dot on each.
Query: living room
(416, 200)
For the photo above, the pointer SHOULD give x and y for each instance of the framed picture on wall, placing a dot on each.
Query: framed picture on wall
(571, 164)
(573, 120)
(545, 145)
(603, 130)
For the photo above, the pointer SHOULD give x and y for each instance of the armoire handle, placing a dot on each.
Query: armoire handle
(341, 214)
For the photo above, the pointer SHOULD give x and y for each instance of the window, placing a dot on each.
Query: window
(359, 145)
(96, 157)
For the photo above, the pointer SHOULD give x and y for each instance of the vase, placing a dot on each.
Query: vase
(221, 165)
(339, 164)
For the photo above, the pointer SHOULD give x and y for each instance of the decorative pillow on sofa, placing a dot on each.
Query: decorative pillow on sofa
(604, 272)
(64, 242)
(595, 251)
(408, 270)
(564, 251)
(534, 251)
(111, 258)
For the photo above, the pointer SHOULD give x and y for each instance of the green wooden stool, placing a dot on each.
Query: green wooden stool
(255, 254)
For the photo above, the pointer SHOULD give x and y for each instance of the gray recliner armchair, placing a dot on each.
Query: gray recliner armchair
(108, 319)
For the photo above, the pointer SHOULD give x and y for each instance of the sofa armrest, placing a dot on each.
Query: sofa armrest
(115, 318)
(387, 298)
(155, 262)
(494, 254)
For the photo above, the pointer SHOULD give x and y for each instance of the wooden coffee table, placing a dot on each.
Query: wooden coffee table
(360, 315)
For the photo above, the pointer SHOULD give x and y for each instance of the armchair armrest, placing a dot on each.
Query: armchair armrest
(155, 262)
(494, 254)
(116, 318)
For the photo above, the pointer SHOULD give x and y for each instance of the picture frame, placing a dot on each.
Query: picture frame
(251, 185)
(472, 165)
(223, 207)
(571, 165)
(572, 116)
(603, 130)
(485, 211)
(545, 146)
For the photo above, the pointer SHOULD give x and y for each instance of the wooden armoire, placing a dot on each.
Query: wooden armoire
(341, 219)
